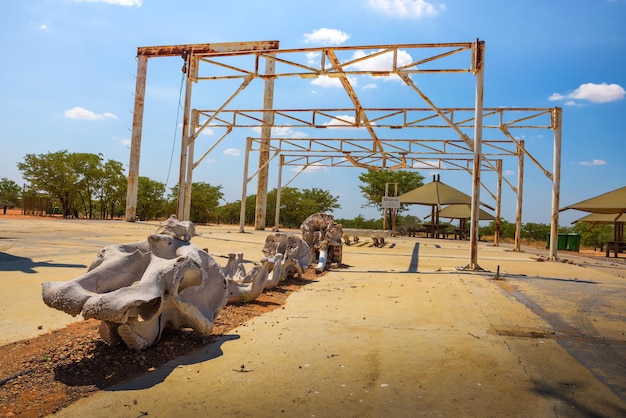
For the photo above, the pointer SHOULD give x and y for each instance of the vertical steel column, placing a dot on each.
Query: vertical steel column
(279, 189)
(191, 146)
(556, 182)
(520, 194)
(244, 186)
(184, 146)
(479, 71)
(264, 153)
(496, 238)
(135, 144)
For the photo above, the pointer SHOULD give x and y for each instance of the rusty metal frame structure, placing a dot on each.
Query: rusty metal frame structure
(370, 151)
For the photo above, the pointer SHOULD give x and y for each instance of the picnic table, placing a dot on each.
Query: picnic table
(618, 246)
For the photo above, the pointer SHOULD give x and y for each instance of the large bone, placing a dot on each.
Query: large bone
(138, 289)
(296, 255)
(320, 231)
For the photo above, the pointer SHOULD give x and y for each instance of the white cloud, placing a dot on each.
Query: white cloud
(43, 26)
(346, 120)
(325, 81)
(126, 3)
(83, 114)
(593, 162)
(313, 57)
(232, 151)
(407, 8)
(123, 141)
(313, 168)
(595, 93)
(283, 132)
(326, 36)
(206, 131)
(429, 164)
(370, 86)
(383, 62)
(508, 172)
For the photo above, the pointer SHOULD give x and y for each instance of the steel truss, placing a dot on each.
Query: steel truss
(461, 146)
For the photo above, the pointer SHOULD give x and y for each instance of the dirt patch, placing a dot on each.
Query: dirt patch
(42, 375)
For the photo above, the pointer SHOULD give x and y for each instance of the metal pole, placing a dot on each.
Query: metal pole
(135, 144)
(191, 146)
(479, 69)
(556, 182)
(278, 191)
(496, 238)
(184, 146)
(520, 192)
(244, 185)
(264, 153)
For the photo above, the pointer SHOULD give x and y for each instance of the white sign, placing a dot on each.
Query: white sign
(391, 202)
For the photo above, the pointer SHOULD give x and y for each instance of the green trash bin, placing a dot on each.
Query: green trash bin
(573, 242)
(561, 243)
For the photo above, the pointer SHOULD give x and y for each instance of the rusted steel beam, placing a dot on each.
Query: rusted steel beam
(382, 117)
(206, 49)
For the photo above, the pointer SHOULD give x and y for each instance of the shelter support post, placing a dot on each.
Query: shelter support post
(244, 186)
(496, 238)
(135, 145)
(520, 191)
(479, 70)
(556, 182)
(264, 153)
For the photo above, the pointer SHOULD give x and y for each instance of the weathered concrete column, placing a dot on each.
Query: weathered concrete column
(135, 144)
(264, 153)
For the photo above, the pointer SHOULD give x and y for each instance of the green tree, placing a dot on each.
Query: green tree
(112, 189)
(150, 200)
(51, 173)
(373, 188)
(89, 171)
(9, 192)
(593, 235)
(535, 232)
(360, 222)
(205, 200)
(507, 229)
(297, 205)
(323, 200)
(230, 212)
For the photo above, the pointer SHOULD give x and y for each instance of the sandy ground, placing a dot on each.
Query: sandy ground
(397, 331)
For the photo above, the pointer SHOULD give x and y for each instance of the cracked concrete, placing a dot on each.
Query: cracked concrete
(397, 331)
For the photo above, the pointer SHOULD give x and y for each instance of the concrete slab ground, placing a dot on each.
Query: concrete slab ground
(398, 331)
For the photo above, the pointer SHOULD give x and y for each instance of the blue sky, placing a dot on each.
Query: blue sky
(67, 81)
